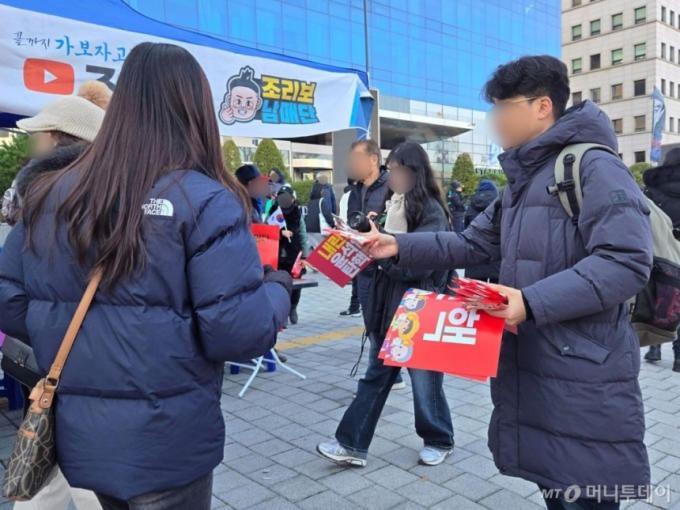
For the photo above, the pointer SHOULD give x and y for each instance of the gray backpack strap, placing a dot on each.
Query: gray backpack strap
(568, 176)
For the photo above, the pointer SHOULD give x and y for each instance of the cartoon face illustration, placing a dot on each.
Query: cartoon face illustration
(401, 352)
(242, 100)
(407, 325)
(414, 302)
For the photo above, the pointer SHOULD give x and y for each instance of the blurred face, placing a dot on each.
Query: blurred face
(258, 188)
(42, 143)
(519, 119)
(401, 179)
(361, 164)
(285, 200)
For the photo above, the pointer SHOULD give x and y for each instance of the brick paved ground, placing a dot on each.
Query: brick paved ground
(270, 462)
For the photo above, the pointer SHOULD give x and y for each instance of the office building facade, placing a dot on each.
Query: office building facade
(427, 58)
(617, 52)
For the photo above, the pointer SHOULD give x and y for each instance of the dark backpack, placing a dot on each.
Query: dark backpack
(655, 312)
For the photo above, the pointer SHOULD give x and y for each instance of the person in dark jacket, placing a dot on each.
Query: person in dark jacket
(257, 187)
(292, 240)
(414, 205)
(483, 197)
(328, 192)
(456, 203)
(568, 411)
(150, 206)
(58, 135)
(662, 185)
(367, 196)
(317, 205)
(277, 181)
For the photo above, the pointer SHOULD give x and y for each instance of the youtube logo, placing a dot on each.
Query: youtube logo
(48, 76)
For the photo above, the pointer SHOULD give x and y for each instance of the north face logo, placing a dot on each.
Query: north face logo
(158, 207)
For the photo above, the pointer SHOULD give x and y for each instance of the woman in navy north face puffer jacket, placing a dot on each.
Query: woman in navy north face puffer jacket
(149, 204)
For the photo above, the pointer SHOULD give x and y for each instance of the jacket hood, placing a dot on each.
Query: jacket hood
(582, 123)
(59, 158)
(664, 177)
(487, 185)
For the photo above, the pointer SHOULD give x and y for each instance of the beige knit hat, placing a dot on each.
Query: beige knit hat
(73, 115)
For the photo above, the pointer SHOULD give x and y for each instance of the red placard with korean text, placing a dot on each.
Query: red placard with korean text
(339, 258)
(436, 332)
(267, 239)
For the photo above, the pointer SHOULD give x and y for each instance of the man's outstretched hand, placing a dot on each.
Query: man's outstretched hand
(380, 246)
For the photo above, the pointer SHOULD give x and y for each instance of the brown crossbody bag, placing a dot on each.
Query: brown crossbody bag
(34, 453)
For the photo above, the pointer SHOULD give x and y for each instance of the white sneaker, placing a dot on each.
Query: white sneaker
(337, 453)
(399, 385)
(431, 456)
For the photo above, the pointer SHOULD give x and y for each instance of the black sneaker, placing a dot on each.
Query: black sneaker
(676, 364)
(654, 353)
(351, 313)
(293, 315)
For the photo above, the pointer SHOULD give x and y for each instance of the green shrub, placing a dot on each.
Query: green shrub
(638, 169)
(303, 190)
(500, 179)
(464, 172)
(13, 155)
(268, 156)
(231, 156)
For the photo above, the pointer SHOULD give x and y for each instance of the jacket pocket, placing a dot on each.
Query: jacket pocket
(571, 342)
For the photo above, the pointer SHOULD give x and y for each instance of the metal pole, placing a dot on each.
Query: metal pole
(366, 36)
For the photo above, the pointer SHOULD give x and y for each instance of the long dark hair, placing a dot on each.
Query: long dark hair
(412, 156)
(161, 118)
(317, 191)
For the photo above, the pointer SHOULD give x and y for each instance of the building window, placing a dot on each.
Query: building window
(617, 124)
(672, 18)
(617, 21)
(617, 56)
(595, 95)
(640, 15)
(663, 50)
(617, 91)
(671, 123)
(595, 27)
(639, 87)
(576, 66)
(575, 3)
(576, 32)
(671, 89)
(640, 124)
(640, 51)
(663, 86)
(663, 14)
(595, 61)
(576, 97)
(640, 157)
(671, 52)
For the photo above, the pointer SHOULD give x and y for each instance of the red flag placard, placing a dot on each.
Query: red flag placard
(436, 332)
(339, 258)
(267, 239)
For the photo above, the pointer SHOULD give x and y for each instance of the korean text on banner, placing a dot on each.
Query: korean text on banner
(436, 332)
(339, 258)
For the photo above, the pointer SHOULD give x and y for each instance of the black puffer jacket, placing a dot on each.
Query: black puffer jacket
(391, 282)
(662, 186)
(485, 195)
(374, 201)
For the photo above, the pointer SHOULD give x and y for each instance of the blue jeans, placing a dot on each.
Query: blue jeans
(433, 417)
(364, 285)
(197, 495)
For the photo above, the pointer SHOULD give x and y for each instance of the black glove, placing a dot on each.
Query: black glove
(280, 277)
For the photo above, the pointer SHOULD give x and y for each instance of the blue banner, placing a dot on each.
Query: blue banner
(658, 123)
